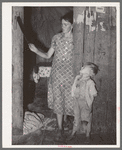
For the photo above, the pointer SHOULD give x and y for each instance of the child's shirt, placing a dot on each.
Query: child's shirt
(85, 89)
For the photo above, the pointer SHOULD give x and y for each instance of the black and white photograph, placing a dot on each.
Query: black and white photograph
(60, 75)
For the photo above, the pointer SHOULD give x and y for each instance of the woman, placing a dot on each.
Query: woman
(61, 78)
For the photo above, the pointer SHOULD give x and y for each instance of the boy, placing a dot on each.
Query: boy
(83, 93)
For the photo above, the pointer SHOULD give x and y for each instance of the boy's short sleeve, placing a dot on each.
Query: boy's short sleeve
(92, 89)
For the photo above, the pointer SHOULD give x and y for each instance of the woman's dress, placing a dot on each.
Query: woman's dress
(61, 78)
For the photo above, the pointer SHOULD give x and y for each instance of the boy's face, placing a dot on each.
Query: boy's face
(86, 70)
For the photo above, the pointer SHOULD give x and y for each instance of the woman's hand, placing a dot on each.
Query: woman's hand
(32, 48)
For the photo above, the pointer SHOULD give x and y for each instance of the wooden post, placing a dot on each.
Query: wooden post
(17, 72)
(78, 34)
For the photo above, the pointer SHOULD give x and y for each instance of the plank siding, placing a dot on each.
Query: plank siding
(98, 45)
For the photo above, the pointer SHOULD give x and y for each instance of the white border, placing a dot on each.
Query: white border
(6, 70)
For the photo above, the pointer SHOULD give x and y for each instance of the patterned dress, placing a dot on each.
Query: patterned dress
(61, 77)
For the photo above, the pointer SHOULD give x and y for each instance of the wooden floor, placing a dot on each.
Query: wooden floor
(39, 137)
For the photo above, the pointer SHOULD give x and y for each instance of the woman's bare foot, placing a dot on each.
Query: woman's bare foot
(59, 136)
(71, 136)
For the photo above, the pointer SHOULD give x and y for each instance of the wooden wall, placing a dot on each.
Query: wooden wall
(95, 41)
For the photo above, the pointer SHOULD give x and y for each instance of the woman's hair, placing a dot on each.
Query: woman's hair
(93, 66)
(68, 17)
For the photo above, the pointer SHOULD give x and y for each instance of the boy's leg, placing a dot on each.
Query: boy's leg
(76, 117)
(86, 117)
(88, 127)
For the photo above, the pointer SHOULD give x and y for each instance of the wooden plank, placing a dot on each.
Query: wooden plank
(78, 34)
(17, 72)
(90, 33)
(111, 98)
(102, 59)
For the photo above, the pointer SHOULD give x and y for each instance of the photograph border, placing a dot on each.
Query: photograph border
(6, 70)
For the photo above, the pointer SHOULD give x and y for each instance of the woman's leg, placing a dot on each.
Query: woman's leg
(59, 120)
(65, 118)
(58, 136)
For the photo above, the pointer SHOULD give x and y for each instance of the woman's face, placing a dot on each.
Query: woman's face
(66, 26)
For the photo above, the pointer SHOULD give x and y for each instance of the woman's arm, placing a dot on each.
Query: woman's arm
(44, 55)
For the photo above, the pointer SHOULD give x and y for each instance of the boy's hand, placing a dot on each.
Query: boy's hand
(74, 85)
(78, 77)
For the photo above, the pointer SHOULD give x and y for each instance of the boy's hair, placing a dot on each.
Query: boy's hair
(93, 66)
(68, 17)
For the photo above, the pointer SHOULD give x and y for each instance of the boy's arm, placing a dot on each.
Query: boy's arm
(92, 90)
(74, 84)
(72, 91)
